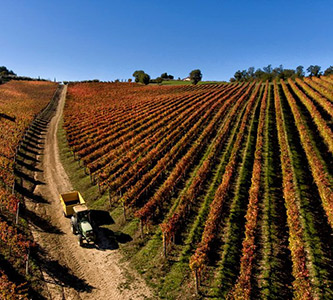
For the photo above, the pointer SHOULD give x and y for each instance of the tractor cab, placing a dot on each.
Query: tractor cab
(81, 224)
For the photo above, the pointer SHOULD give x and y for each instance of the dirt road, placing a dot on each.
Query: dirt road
(70, 271)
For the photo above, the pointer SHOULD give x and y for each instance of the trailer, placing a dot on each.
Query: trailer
(69, 200)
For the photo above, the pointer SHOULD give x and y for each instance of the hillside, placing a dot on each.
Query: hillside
(217, 191)
(20, 103)
(225, 187)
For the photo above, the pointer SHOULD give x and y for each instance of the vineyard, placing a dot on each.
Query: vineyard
(20, 102)
(226, 189)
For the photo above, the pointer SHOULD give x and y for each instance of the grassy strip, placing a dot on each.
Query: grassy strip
(210, 234)
(243, 287)
(187, 200)
(194, 174)
(196, 230)
(316, 256)
(302, 284)
(174, 279)
(228, 267)
(274, 272)
(153, 246)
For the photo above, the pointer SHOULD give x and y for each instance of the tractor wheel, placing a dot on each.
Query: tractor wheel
(80, 240)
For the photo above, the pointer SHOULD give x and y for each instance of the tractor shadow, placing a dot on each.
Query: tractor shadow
(100, 217)
(106, 239)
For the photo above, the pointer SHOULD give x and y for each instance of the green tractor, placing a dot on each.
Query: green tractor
(81, 225)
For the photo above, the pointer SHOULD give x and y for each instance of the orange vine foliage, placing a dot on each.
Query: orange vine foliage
(20, 102)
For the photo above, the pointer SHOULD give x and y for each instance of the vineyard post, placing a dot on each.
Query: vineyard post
(27, 262)
(13, 188)
(17, 213)
(196, 277)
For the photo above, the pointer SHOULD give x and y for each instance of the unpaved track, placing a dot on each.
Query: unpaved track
(73, 272)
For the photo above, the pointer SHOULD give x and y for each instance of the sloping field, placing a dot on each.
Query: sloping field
(225, 189)
(20, 102)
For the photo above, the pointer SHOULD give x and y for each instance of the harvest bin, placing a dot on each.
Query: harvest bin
(69, 200)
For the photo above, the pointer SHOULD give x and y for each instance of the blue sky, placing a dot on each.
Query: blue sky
(76, 40)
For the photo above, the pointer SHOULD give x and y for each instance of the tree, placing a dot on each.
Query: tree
(329, 71)
(250, 72)
(258, 74)
(166, 76)
(141, 76)
(136, 75)
(4, 71)
(159, 80)
(268, 69)
(314, 70)
(300, 71)
(287, 73)
(144, 78)
(195, 76)
(238, 75)
(278, 72)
